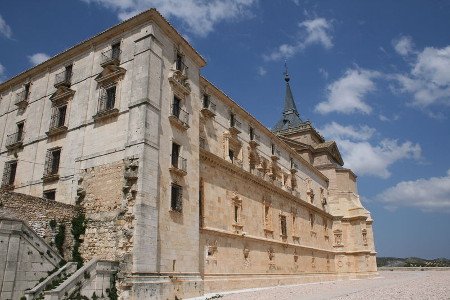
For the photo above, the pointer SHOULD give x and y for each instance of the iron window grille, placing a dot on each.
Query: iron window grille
(9, 174)
(52, 161)
(58, 118)
(111, 56)
(107, 99)
(64, 78)
(176, 201)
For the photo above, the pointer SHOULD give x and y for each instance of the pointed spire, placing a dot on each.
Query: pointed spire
(291, 117)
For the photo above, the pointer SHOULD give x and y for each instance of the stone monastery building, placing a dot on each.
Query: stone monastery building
(181, 188)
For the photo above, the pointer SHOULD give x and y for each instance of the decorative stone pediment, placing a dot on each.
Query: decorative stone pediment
(62, 95)
(180, 83)
(110, 73)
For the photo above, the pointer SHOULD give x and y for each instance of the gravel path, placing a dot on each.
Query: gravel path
(389, 285)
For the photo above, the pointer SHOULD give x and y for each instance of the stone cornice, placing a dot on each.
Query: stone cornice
(140, 19)
(217, 161)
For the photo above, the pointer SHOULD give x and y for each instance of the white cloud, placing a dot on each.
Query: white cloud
(403, 45)
(5, 30)
(429, 79)
(428, 194)
(318, 32)
(199, 16)
(2, 73)
(338, 131)
(365, 157)
(311, 32)
(345, 95)
(262, 71)
(324, 73)
(38, 58)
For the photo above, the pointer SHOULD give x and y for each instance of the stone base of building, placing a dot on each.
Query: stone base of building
(220, 283)
(189, 286)
(176, 286)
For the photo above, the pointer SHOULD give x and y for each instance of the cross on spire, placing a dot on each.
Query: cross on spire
(291, 117)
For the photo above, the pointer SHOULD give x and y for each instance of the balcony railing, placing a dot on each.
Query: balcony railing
(110, 57)
(235, 126)
(180, 115)
(181, 66)
(63, 79)
(14, 140)
(209, 108)
(179, 165)
(57, 125)
(21, 98)
(106, 105)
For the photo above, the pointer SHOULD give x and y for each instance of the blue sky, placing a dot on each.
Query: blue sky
(373, 75)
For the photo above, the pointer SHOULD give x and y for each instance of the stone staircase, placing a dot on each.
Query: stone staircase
(93, 281)
(25, 258)
(31, 269)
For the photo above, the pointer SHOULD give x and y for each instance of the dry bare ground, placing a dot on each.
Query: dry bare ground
(388, 285)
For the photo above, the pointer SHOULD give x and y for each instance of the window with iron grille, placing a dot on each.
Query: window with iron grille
(107, 99)
(9, 173)
(232, 120)
(52, 162)
(206, 101)
(176, 107)
(283, 225)
(20, 127)
(175, 154)
(176, 198)
(115, 51)
(179, 64)
(58, 117)
(50, 195)
(26, 90)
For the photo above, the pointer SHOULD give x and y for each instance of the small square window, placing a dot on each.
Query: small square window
(50, 195)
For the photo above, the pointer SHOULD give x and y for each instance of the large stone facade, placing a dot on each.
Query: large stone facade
(180, 185)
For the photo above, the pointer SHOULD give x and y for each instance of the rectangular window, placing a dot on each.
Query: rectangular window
(267, 222)
(110, 97)
(283, 225)
(62, 115)
(115, 51)
(252, 134)
(26, 89)
(231, 155)
(175, 154)
(236, 214)
(179, 62)
(311, 220)
(68, 73)
(52, 161)
(176, 106)
(272, 147)
(232, 120)
(9, 173)
(20, 127)
(205, 101)
(176, 202)
(50, 195)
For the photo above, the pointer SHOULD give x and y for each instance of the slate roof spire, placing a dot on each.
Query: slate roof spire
(291, 117)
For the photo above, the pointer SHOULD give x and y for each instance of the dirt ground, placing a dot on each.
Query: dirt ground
(388, 285)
